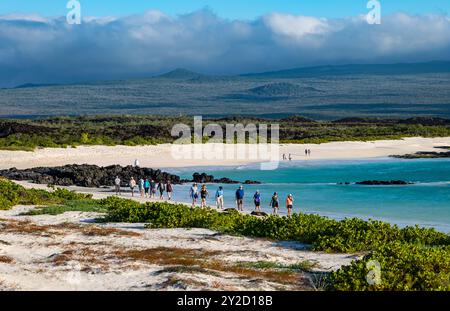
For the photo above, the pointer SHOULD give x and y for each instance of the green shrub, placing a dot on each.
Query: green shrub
(13, 194)
(404, 266)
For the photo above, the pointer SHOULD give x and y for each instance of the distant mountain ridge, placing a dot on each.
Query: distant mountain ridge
(281, 89)
(302, 72)
(354, 69)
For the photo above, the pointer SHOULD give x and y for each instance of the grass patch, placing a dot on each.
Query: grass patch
(301, 265)
(84, 205)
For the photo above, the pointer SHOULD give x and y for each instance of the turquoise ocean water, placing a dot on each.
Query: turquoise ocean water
(314, 184)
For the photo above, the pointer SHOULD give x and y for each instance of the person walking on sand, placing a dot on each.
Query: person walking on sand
(161, 189)
(289, 204)
(141, 187)
(169, 190)
(132, 185)
(306, 152)
(136, 163)
(290, 157)
(257, 200)
(147, 188)
(309, 152)
(274, 203)
(153, 189)
(203, 195)
(193, 193)
(117, 185)
(219, 198)
(240, 198)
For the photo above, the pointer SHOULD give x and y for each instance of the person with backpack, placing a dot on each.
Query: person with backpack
(257, 200)
(169, 190)
(161, 189)
(219, 198)
(274, 203)
(240, 198)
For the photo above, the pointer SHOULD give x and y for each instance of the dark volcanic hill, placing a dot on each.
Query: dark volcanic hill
(281, 89)
(181, 74)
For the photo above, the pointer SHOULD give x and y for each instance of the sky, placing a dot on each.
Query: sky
(230, 9)
(123, 39)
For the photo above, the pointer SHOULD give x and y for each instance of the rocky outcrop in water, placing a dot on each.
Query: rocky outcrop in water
(87, 175)
(383, 182)
(426, 154)
(205, 178)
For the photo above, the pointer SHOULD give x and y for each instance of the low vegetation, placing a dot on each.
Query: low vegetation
(13, 194)
(147, 130)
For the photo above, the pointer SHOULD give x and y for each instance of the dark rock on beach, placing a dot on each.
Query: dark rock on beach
(426, 154)
(87, 175)
(256, 213)
(383, 182)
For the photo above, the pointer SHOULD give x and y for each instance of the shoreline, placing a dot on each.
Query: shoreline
(161, 156)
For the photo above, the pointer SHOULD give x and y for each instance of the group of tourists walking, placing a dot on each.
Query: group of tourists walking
(195, 193)
(147, 188)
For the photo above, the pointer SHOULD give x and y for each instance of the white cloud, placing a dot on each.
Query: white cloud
(295, 26)
(38, 49)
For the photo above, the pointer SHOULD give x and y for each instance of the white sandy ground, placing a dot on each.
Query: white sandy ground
(162, 156)
(65, 258)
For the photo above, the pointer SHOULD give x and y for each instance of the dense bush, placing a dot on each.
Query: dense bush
(146, 130)
(13, 194)
(404, 266)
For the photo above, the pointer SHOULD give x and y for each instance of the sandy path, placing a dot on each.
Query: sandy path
(163, 156)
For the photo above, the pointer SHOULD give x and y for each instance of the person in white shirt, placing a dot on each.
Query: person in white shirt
(117, 185)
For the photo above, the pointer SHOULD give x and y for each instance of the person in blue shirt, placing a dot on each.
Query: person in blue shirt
(147, 188)
(257, 200)
(240, 198)
(219, 197)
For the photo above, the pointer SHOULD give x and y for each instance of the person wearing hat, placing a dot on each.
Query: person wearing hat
(289, 204)
(240, 198)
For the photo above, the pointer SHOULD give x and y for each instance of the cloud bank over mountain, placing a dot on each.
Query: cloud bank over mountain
(37, 49)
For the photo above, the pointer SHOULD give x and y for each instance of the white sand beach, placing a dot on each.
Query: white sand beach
(164, 156)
